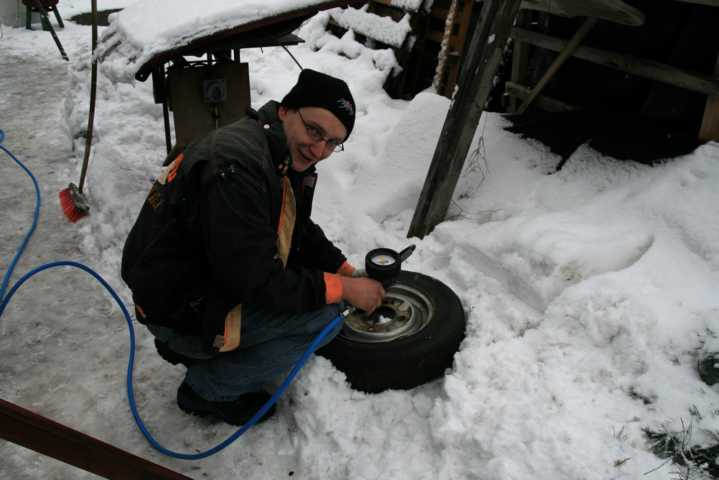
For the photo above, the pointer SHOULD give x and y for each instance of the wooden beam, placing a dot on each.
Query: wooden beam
(458, 41)
(615, 11)
(710, 123)
(50, 438)
(708, 3)
(545, 103)
(567, 52)
(483, 56)
(626, 63)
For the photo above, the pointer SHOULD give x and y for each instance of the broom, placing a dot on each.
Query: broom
(72, 200)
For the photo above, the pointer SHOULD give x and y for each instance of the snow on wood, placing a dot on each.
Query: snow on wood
(407, 5)
(382, 29)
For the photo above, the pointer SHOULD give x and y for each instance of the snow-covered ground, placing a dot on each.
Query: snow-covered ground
(590, 293)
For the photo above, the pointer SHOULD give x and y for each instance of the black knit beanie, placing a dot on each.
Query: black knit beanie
(315, 89)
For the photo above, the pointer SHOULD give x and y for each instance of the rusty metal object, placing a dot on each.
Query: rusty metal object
(196, 114)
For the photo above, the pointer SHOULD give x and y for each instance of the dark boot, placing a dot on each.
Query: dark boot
(171, 356)
(235, 412)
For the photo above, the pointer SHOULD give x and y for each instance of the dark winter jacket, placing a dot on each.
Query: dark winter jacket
(205, 240)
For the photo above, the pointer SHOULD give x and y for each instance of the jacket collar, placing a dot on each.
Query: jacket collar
(275, 134)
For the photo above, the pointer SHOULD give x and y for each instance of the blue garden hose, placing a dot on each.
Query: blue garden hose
(5, 300)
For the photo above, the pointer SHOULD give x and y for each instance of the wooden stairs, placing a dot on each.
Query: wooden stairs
(418, 35)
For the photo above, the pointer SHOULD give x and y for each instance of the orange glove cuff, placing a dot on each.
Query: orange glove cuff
(333, 288)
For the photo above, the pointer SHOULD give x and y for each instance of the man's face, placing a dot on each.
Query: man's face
(312, 134)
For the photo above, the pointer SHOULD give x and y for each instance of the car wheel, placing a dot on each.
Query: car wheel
(409, 340)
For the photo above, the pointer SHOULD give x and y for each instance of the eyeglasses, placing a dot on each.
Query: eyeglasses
(318, 135)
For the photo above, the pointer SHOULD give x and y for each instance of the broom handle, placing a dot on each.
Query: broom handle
(93, 95)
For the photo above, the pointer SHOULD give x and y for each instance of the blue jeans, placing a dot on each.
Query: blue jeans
(270, 344)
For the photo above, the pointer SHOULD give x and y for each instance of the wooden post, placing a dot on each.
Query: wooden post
(457, 45)
(50, 438)
(710, 122)
(520, 59)
(475, 82)
(559, 61)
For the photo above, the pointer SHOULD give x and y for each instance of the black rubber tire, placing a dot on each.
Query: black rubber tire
(408, 361)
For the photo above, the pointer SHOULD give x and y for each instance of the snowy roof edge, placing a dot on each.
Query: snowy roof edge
(283, 24)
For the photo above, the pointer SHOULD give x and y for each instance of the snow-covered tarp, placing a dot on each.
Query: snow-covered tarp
(150, 27)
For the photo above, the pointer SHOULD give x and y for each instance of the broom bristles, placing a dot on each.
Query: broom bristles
(74, 206)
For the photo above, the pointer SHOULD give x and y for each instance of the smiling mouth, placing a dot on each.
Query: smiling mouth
(307, 159)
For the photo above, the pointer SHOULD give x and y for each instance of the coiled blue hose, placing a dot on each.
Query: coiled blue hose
(5, 300)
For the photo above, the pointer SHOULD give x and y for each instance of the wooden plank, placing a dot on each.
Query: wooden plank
(395, 13)
(50, 438)
(520, 60)
(708, 3)
(456, 44)
(442, 58)
(567, 52)
(615, 11)
(710, 123)
(548, 104)
(438, 13)
(464, 21)
(626, 63)
(483, 56)
(435, 36)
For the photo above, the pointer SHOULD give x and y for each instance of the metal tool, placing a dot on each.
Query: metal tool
(384, 264)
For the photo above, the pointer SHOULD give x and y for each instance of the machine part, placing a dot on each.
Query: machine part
(205, 97)
(411, 339)
(214, 91)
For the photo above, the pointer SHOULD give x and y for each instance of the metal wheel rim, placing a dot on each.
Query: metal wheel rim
(405, 311)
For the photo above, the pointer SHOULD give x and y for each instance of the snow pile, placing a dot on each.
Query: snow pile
(371, 25)
(404, 161)
(149, 27)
